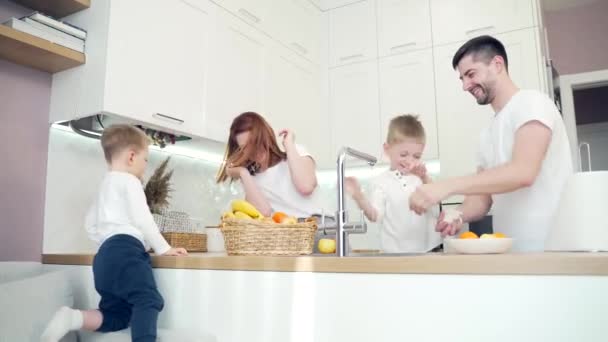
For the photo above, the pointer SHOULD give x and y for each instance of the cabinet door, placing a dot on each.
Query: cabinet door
(460, 118)
(298, 25)
(293, 100)
(352, 33)
(460, 20)
(236, 75)
(254, 12)
(354, 107)
(156, 73)
(407, 86)
(403, 25)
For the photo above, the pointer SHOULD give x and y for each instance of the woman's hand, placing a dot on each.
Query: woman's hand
(236, 172)
(289, 138)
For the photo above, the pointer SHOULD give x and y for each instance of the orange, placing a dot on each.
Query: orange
(278, 217)
(499, 235)
(469, 235)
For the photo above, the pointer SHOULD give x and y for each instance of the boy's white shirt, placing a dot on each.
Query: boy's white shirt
(402, 230)
(121, 208)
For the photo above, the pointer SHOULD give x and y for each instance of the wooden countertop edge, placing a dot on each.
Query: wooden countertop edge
(593, 264)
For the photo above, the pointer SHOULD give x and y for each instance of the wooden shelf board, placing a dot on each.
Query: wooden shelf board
(56, 8)
(25, 49)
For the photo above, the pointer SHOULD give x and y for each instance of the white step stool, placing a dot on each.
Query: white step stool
(164, 335)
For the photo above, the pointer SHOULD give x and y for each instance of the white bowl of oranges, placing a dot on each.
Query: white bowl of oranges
(470, 243)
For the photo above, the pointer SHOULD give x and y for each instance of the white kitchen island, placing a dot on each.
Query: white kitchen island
(511, 297)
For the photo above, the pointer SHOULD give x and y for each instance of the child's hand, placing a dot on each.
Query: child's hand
(418, 168)
(449, 223)
(352, 187)
(176, 252)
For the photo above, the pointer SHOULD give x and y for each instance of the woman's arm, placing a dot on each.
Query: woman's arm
(253, 194)
(302, 168)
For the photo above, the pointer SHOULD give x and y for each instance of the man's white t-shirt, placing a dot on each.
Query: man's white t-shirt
(277, 186)
(526, 214)
(402, 230)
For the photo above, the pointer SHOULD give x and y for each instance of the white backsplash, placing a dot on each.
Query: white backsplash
(76, 167)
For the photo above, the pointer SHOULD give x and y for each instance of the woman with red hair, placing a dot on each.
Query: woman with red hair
(274, 179)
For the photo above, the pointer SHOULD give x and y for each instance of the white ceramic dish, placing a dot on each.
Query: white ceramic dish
(478, 246)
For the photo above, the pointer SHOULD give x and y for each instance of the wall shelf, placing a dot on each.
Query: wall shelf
(56, 8)
(25, 49)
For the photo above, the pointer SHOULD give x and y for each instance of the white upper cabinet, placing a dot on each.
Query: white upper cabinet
(460, 118)
(403, 25)
(236, 78)
(407, 87)
(352, 33)
(295, 23)
(460, 20)
(255, 12)
(138, 69)
(293, 100)
(156, 73)
(354, 107)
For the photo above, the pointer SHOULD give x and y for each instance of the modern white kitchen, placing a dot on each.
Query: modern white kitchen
(334, 72)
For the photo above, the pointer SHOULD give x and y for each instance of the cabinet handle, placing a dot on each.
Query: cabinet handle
(167, 118)
(580, 156)
(249, 15)
(346, 58)
(401, 46)
(479, 29)
(299, 48)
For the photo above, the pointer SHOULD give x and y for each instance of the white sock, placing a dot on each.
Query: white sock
(64, 321)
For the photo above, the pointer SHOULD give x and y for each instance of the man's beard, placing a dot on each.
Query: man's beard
(485, 97)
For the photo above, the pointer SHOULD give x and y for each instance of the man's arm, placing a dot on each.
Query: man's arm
(529, 150)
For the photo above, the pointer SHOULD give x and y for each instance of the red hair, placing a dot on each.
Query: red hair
(261, 147)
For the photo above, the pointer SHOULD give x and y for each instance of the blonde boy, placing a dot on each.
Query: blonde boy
(402, 230)
(121, 223)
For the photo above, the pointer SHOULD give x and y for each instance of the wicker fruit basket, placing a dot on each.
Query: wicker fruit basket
(192, 242)
(177, 228)
(255, 237)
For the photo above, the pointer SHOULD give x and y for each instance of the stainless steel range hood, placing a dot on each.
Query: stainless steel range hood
(93, 126)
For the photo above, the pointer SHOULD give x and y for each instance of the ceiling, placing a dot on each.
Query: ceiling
(557, 5)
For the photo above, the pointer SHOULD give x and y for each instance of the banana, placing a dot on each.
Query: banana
(245, 207)
(242, 215)
(227, 215)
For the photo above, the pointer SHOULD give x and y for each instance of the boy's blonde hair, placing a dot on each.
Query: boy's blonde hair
(406, 126)
(116, 138)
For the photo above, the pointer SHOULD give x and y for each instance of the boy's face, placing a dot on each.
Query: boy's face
(404, 154)
(138, 161)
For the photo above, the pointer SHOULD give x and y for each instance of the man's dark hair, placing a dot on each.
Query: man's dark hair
(485, 47)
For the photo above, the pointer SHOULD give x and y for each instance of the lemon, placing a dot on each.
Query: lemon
(327, 246)
(487, 236)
